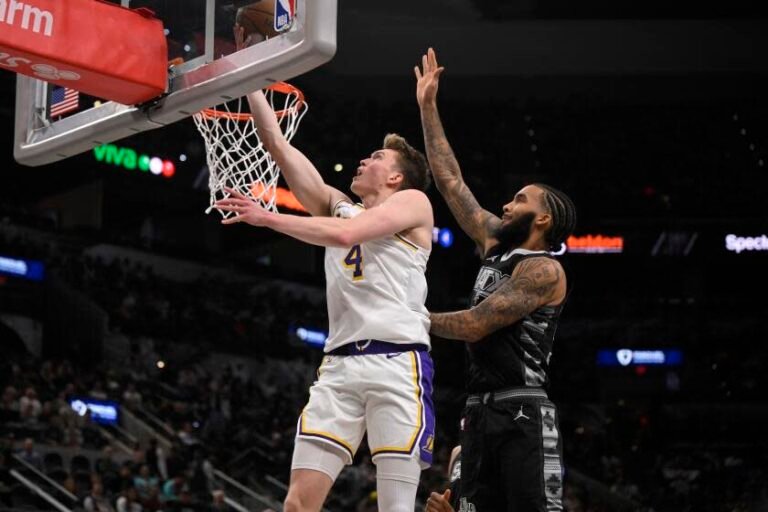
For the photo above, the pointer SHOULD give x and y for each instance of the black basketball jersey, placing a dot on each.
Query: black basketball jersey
(516, 355)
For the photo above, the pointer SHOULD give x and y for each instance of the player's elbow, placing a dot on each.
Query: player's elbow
(344, 238)
(274, 143)
(474, 335)
(448, 182)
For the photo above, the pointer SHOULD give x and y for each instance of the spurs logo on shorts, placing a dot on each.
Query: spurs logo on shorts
(466, 506)
(456, 473)
(549, 428)
(553, 470)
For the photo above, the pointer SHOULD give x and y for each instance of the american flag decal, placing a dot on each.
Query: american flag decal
(63, 100)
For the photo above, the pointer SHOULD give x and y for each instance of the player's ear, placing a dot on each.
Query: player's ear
(543, 220)
(396, 179)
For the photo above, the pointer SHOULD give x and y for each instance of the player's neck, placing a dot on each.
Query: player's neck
(375, 198)
(533, 243)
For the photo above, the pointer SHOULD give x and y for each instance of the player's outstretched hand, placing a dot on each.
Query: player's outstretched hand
(244, 209)
(241, 41)
(440, 502)
(427, 79)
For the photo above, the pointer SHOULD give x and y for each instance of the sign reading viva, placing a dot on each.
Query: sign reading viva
(131, 160)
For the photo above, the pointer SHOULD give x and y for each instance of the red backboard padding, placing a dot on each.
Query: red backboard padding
(95, 47)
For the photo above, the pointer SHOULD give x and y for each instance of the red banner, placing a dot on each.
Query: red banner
(95, 47)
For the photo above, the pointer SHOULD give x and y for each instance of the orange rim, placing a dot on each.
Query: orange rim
(281, 87)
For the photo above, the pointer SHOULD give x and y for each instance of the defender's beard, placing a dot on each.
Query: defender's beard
(515, 232)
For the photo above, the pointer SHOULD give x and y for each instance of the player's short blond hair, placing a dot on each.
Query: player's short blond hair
(413, 163)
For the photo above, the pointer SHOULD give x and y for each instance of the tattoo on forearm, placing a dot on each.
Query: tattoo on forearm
(442, 161)
(534, 283)
(472, 218)
(452, 326)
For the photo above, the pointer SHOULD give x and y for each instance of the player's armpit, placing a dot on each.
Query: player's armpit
(534, 283)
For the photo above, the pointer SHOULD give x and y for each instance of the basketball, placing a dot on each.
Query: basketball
(258, 18)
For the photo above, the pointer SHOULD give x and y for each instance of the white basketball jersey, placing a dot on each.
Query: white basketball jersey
(376, 290)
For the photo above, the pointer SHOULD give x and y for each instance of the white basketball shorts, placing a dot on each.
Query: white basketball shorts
(389, 395)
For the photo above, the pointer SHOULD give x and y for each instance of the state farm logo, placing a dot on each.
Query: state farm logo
(47, 72)
(42, 71)
(27, 17)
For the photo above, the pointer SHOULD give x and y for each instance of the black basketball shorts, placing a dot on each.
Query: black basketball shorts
(511, 453)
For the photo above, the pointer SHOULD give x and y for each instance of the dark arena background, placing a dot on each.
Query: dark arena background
(191, 343)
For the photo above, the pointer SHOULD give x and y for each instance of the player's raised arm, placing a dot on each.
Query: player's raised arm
(476, 222)
(302, 176)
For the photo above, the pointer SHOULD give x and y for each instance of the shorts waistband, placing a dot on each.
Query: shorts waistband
(506, 394)
(369, 347)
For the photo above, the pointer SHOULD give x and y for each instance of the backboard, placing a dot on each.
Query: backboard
(205, 70)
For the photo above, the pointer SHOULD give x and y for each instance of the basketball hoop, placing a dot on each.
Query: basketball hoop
(235, 155)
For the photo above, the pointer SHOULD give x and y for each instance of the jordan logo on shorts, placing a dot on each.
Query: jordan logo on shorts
(466, 506)
(521, 414)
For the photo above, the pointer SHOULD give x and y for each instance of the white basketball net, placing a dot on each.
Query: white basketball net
(236, 157)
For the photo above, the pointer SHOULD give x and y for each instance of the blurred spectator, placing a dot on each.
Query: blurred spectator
(137, 454)
(174, 462)
(187, 435)
(29, 406)
(154, 501)
(96, 501)
(186, 502)
(144, 482)
(154, 456)
(31, 456)
(108, 468)
(9, 404)
(97, 391)
(218, 502)
(131, 397)
(70, 485)
(172, 489)
(128, 501)
(90, 432)
(125, 478)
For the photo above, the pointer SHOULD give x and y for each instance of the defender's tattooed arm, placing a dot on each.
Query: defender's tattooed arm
(478, 223)
(535, 282)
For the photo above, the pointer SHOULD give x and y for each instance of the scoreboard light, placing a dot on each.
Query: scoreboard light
(312, 337)
(591, 244)
(442, 236)
(25, 269)
(599, 244)
(648, 357)
(738, 244)
(129, 159)
(105, 412)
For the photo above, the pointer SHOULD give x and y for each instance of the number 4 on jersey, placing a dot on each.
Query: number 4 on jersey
(354, 260)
